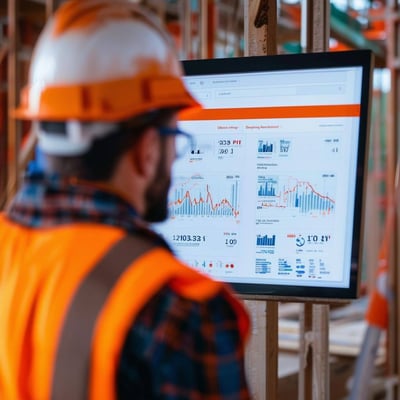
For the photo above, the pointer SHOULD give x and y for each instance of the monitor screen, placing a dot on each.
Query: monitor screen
(270, 197)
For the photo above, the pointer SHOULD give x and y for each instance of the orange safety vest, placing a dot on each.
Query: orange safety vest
(45, 276)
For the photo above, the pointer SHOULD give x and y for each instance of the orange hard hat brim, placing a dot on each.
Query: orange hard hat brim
(113, 100)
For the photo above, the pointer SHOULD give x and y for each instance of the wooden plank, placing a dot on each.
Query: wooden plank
(321, 352)
(207, 28)
(255, 351)
(315, 25)
(315, 368)
(50, 7)
(305, 353)
(262, 350)
(186, 21)
(272, 350)
(260, 27)
(203, 15)
(320, 23)
(14, 128)
(3, 51)
(392, 131)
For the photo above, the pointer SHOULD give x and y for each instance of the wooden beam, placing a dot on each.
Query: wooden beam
(305, 353)
(186, 21)
(315, 28)
(262, 350)
(255, 357)
(392, 158)
(203, 33)
(3, 51)
(321, 352)
(50, 7)
(272, 350)
(260, 27)
(315, 372)
(14, 128)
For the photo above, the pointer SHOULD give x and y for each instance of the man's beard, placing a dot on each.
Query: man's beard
(157, 194)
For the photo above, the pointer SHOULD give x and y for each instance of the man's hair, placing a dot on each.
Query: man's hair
(99, 163)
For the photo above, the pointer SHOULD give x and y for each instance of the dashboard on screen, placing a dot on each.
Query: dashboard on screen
(270, 197)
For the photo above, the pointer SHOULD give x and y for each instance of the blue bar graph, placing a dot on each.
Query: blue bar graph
(299, 195)
(265, 240)
(308, 200)
(268, 188)
(265, 147)
(284, 146)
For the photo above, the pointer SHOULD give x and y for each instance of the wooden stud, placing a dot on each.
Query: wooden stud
(203, 16)
(272, 350)
(186, 21)
(305, 353)
(3, 50)
(3, 112)
(262, 350)
(392, 132)
(50, 7)
(14, 128)
(260, 19)
(315, 366)
(315, 25)
(260, 26)
(320, 345)
(255, 351)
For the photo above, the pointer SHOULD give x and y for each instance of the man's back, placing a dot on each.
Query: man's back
(178, 332)
(92, 303)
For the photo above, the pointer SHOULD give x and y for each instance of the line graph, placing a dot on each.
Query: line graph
(199, 197)
(301, 195)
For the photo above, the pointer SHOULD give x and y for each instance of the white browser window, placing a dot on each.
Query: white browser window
(267, 194)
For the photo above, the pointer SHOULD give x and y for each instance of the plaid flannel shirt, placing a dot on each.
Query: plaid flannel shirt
(176, 348)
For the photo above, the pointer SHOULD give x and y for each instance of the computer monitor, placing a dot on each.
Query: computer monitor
(270, 198)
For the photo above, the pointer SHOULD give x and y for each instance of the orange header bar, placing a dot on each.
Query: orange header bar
(343, 110)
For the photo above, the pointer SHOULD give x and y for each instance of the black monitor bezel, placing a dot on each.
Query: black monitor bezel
(286, 62)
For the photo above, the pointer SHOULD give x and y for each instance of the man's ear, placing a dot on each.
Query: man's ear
(145, 154)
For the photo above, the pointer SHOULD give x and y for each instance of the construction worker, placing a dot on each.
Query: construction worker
(93, 304)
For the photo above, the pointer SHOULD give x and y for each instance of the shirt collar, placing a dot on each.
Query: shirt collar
(48, 200)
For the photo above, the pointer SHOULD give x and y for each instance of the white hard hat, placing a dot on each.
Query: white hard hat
(100, 61)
